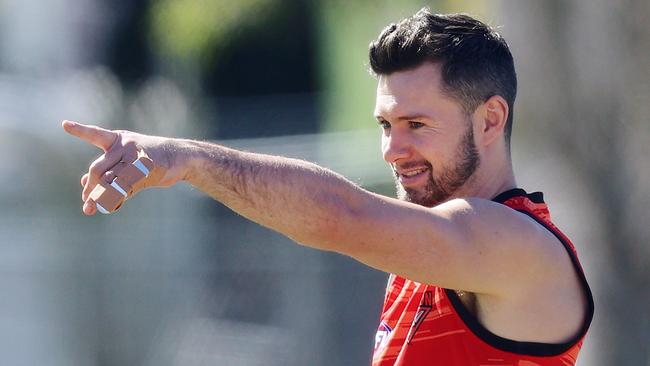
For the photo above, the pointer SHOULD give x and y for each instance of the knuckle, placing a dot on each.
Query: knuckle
(116, 143)
(94, 169)
(130, 145)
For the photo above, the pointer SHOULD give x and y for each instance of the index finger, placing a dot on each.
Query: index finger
(97, 136)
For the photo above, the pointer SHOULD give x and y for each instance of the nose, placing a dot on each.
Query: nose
(395, 146)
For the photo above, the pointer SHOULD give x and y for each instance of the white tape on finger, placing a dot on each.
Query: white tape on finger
(101, 209)
(118, 188)
(138, 164)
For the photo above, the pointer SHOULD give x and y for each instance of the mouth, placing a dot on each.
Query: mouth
(413, 176)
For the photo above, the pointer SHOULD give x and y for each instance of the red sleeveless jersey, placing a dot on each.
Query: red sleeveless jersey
(428, 325)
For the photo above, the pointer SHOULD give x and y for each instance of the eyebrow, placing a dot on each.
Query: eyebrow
(405, 118)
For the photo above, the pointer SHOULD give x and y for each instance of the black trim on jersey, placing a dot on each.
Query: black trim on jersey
(535, 197)
(527, 348)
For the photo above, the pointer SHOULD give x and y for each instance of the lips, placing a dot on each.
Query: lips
(412, 176)
(412, 173)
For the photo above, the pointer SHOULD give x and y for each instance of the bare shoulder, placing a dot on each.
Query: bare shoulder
(540, 296)
(512, 235)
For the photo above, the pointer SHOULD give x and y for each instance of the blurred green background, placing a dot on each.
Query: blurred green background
(177, 279)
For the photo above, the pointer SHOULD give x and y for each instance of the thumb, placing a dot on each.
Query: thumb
(97, 136)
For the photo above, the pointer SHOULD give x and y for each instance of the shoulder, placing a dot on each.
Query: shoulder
(514, 242)
(493, 220)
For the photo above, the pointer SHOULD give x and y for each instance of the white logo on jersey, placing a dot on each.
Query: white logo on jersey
(383, 336)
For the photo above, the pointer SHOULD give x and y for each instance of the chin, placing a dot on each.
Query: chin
(419, 197)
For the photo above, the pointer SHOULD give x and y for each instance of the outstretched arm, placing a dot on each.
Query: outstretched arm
(321, 209)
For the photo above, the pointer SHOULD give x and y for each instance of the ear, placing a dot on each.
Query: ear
(492, 116)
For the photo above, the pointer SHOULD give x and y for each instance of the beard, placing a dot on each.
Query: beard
(449, 180)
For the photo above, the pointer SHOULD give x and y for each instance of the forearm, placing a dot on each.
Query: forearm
(304, 201)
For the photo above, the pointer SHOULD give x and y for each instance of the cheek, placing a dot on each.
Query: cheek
(428, 148)
(435, 151)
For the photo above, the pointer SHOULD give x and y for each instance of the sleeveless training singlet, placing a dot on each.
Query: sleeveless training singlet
(428, 325)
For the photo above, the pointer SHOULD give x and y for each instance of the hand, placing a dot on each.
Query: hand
(120, 146)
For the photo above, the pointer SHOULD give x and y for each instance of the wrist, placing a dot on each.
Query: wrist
(191, 159)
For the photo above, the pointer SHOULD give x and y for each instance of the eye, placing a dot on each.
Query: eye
(415, 125)
(384, 124)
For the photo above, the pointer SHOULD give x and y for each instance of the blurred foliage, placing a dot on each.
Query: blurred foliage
(252, 47)
(273, 55)
(190, 30)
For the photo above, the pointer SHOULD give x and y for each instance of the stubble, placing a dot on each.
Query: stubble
(441, 186)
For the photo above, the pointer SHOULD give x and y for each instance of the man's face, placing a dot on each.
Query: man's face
(428, 139)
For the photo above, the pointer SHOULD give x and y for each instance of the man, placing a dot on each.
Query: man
(480, 275)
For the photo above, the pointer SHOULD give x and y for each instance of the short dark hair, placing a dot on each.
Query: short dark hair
(476, 61)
